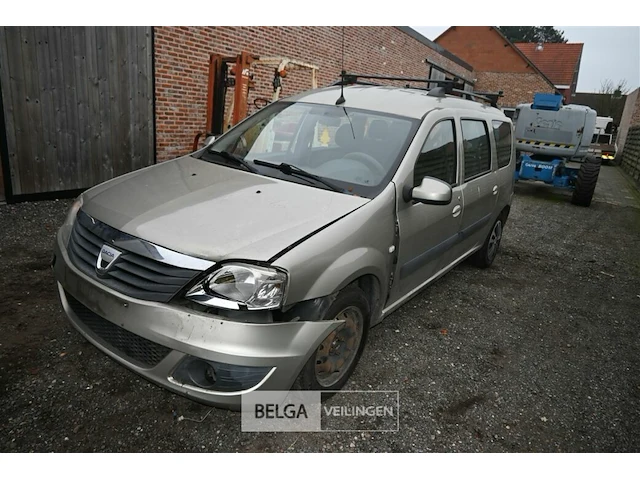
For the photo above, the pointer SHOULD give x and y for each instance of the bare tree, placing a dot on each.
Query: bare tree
(611, 98)
(615, 89)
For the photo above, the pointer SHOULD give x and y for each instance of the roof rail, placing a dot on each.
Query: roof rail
(355, 78)
(439, 88)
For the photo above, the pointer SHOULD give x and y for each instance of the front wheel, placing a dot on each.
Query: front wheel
(331, 365)
(484, 257)
(586, 182)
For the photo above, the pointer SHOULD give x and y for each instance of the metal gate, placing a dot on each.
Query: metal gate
(78, 107)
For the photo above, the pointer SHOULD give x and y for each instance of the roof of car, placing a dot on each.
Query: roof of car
(406, 102)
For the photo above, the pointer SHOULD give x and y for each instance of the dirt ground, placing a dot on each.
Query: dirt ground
(539, 353)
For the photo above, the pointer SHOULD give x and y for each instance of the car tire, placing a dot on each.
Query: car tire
(586, 182)
(484, 257)
(315, 375)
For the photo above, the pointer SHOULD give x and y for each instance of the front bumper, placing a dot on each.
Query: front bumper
(283, 347)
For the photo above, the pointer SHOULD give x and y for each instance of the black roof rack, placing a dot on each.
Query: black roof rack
(491, 97)
(436, 88)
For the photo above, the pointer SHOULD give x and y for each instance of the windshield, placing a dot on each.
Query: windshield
(356, 150)
(601, 139)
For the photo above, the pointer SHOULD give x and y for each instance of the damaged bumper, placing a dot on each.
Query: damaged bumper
(206, 357)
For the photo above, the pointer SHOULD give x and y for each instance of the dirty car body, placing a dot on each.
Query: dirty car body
(265, 257)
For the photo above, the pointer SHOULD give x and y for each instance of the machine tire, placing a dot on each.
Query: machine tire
(484, 257)
(351, 297)
(586, 182)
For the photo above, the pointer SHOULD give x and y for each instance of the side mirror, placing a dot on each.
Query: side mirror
(431, 191)
(209, 141)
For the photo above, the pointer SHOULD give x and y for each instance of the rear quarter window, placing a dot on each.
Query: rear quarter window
(502, 135)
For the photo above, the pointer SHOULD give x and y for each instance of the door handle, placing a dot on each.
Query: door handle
(495, 189)
(456, 210)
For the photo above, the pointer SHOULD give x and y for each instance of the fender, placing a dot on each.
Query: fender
(355, 245)
(350, 266)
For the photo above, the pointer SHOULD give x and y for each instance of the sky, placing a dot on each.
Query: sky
(609, 53)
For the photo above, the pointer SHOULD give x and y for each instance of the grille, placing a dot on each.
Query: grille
(132, 274)
(142, 351)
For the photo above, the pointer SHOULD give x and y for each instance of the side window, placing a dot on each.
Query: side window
(477, 149)
(502, 135)
(509, 112)
(438, 157)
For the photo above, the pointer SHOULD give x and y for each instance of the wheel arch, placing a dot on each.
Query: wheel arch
(314, 309)
(504, 214)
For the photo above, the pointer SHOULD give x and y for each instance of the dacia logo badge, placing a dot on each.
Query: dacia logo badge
(107, 258)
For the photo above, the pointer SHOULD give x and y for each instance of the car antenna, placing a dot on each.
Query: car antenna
(343, 74)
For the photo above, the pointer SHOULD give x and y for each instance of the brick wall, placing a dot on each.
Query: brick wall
(567, 94)
(484, 49)
(630, 158)
(181, 66)
(497, 64)
(635, 116)
(628, 155)
(517, 87)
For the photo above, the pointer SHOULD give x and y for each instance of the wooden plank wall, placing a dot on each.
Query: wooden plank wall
(78, 104)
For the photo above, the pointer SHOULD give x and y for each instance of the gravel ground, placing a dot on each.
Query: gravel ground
(539, 353)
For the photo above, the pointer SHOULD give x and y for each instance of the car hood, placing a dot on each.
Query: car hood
(215, 212)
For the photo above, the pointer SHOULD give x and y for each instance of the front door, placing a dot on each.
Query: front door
(428, 232)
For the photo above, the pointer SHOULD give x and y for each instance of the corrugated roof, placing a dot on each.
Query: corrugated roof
(558, 61)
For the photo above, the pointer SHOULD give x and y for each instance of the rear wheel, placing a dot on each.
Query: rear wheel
(331, 365)
(586, 182)
(484, 257)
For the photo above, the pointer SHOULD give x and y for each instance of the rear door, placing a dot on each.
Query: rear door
(480, 187)
(504, 158)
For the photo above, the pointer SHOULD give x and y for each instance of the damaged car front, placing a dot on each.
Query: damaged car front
(256, 262)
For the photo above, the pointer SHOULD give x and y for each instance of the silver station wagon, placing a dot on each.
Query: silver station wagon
(262, 260)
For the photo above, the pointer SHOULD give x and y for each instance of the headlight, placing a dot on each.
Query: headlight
(238, 286)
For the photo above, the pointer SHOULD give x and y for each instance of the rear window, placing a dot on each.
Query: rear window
(502, 135)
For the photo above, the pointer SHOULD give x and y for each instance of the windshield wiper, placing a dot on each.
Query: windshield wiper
(289, 169)
(234, 158)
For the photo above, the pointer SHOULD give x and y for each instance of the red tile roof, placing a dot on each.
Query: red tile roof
(558, 61)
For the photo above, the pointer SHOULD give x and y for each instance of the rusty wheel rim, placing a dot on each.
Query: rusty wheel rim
(337, 352)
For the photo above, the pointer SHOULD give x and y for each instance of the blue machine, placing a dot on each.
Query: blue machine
(548, 136)
(552, 172)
